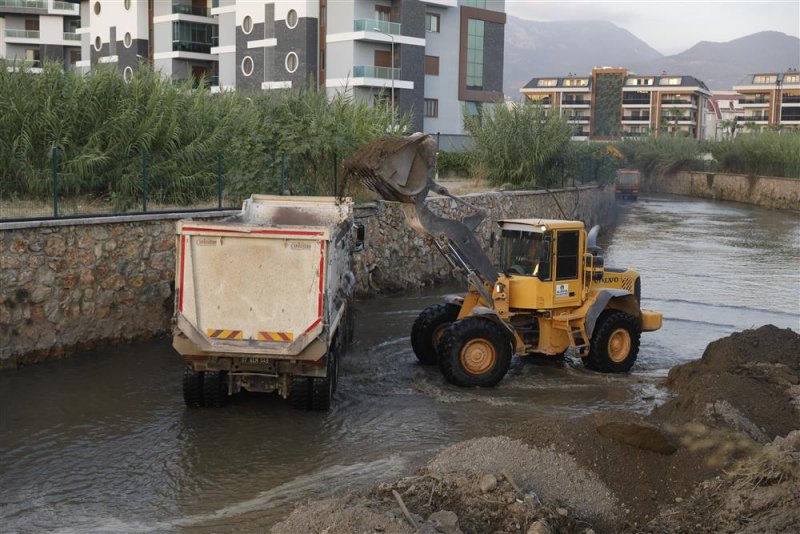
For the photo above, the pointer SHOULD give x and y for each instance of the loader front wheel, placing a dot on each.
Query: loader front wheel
(192, 387)
(615, 343)
(474, 352)
(428, 328)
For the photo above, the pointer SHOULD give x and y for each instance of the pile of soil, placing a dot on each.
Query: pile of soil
(747, 381)
(710, 459)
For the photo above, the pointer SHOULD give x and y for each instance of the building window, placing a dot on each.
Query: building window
(127, 74)
(291, 62)
(639, 81)
(552, 82)
(97, 8)
(576, 82)
(475, 30)
(473, 109)
(791, 78)
(74, 56)
(432, 65)
(765, 78)
(247, 25)
(383, 13)
(32, 25)
(676, 80)
(432, 22)
(98, 43)
(431, 107)
(291, 19)
(127, 40)
(247, 66)
(480, 4)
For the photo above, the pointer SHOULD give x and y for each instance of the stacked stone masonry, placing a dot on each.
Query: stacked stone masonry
(69, 287)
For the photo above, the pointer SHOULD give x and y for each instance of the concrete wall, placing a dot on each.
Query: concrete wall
(767, 191)
(75, 285)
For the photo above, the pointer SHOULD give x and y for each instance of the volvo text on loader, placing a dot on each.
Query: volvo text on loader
(549, 292)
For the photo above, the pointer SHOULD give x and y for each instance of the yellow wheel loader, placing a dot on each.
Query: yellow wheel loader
(549, 292)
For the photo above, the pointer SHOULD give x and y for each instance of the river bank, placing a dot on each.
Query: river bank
(716, 457)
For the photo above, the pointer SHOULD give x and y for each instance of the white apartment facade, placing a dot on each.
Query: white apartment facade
(34, 31)
(448, 54)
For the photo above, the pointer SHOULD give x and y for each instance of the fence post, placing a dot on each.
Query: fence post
(335, 173)
(283, 174)
(219, 180)
(144, 180)
(54, 160)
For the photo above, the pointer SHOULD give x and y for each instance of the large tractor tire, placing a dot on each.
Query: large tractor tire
(615, 343)
(192, 387)
(474, 352)
(215, 389)
(428, 328)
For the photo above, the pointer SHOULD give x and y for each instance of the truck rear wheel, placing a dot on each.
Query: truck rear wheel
(300, 393)
(474, 352)
(428, 328)
(615, 343)
(192, 387)
(215, 389)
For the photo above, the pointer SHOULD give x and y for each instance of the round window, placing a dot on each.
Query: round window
(97, 8)
(127, 74)
(98, 43)
(127, 4)
(291, 18)
(127, 40)
(247, 66)
(291, 62)
(247, 25)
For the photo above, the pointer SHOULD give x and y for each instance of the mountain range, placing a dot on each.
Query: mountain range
(536, 49)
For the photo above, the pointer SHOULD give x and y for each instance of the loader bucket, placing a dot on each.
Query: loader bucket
(397, 168)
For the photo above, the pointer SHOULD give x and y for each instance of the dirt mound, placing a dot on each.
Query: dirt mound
(762, 494)
(747, 381)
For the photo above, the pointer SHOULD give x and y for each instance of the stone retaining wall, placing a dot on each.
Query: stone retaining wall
(69, 286)
(767, 191)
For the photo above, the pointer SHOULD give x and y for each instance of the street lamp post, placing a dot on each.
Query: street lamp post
(391, 37)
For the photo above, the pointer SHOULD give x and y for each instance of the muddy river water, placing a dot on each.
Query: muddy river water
(103, 441)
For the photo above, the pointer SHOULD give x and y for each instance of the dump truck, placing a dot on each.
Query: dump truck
(549, 292)
(626, 184)
(263, 300)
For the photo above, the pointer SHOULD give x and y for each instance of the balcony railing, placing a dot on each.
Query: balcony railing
(23, 63)
(369, 25)
(369, 71)
(676, 101)
(635, 101)
(70, 36)
(577, 118)
(636, 117)
(192, 46)
(576, 102)
(65, 6)
(790, 114)
(791, 99)
(751, 118)
(634, 134)
(186, 9)
(23, 34)
(28, 4)
(757, 100)
(679, 118)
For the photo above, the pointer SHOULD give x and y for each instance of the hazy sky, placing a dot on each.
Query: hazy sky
(672, 26)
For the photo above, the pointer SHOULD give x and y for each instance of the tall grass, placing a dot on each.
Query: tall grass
(766, 153)
(102, 128)
(665, 154)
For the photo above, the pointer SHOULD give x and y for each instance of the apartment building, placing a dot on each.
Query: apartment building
(611, 103)
(33, 31)
(432, 58)
(770, 100)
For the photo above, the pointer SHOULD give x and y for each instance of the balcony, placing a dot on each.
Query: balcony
(186, 9)
(791, 99)
(192, 46)
(635, 101)
(369, 71)
(756, 100)
(23, 34)
(369, 25)
(25, 4)
(578, 119)
(634, 134)
(576, 102)
(670, 119)
(639, 118)
(65, 6)
(678, 101)
(69, 36)
(751, 118)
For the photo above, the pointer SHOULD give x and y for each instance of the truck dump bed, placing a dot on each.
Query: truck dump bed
(263, 282)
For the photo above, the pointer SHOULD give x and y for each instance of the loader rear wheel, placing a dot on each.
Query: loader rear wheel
(300, 393)
(474, 352)
(615, 343)
(192, 387)
(215, 389)
(428, 328)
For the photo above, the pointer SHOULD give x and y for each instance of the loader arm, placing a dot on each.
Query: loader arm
(401, 169)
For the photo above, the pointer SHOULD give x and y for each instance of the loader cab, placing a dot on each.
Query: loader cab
(542, 263)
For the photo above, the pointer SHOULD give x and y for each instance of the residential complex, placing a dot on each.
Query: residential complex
(35, 30)
(770, 100)
(611, 103)
(434, 58)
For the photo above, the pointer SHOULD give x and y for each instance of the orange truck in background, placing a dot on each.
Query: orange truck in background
(626, 184)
